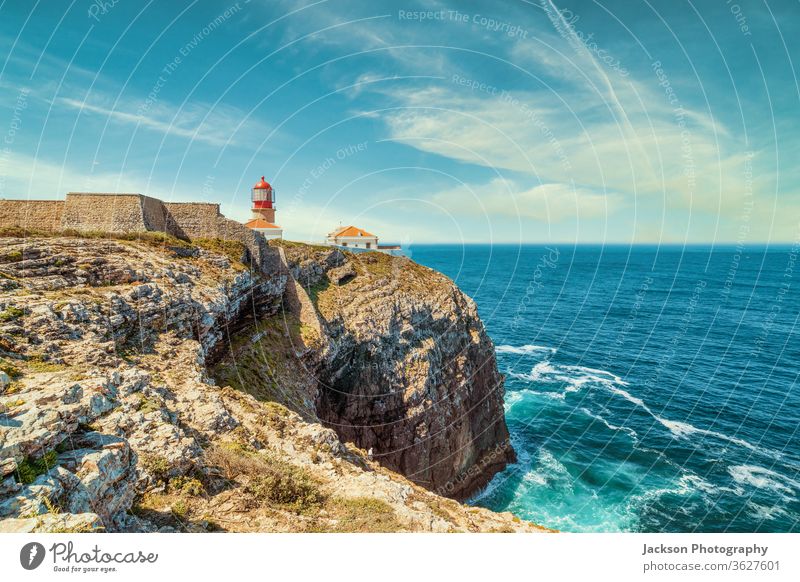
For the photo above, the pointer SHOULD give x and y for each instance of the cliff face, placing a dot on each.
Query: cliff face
(410, 371)
(158, 384)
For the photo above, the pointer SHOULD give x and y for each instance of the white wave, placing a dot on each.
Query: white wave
(762, 513)
(632, 399)
(595, 373)
(523, 350)
(511, 398)
(763, 478)
(541, 371)
(688, 485)
(549, 472)
(629, 431)
(522, 464)
(575, 378)
(517, 396)
(691, 482)
(685, 430)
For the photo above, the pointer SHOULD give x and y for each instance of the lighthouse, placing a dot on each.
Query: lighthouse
(263, 208)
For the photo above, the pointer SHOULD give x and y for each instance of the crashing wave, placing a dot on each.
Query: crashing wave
(524, 350)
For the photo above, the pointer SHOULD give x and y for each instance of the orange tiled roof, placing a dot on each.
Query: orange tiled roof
(351, 231)
(260, 223)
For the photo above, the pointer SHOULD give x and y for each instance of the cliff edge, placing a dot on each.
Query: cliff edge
(408, 369)
(152, 384)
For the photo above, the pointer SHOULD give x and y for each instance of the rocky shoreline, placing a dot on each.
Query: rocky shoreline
(153, 384)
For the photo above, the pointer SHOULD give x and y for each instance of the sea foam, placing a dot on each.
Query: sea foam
(762, 478)
(523, 350)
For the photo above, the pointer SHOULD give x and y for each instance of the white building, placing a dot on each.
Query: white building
(352, 237)
(268, 229)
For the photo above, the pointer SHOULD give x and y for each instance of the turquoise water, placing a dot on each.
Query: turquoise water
(647, 389)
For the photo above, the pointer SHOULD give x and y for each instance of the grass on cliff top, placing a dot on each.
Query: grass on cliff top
(11, 314)
(378, 271)
(289, 244)
(153, 238)
(39, 364)
(398, 268)
(234, 250)
(357, 515)
(11, 369)
(372, 266)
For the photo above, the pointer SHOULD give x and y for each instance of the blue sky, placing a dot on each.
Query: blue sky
(514, 121)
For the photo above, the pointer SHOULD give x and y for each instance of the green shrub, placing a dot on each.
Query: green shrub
(10, 369)
(233, 249)
(186, 486)
(146, 404)
(29, 468)
(40, 364)
(180, 509)
(267, 479)
(157, 466)
(364, 514)
(11, 313)
(285, 484)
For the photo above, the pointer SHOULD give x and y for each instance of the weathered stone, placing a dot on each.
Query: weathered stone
(53, 523)
(119, 341)
(343, 274)
(411, 372)
(7, 466)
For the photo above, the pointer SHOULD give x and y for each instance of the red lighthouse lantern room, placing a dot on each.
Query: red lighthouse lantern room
(263, 197)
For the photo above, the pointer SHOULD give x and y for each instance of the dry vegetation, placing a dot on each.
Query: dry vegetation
(248, 489)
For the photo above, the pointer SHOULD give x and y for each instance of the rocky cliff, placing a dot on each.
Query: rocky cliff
(154, 384)
(409, 371)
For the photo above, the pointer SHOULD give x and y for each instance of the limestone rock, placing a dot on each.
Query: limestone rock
(53, 523)
(119, 349)
(412, 373)
(343, 274)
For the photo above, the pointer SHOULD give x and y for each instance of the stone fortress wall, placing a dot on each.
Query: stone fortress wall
(193, 219)
(131, 213)
(39, 214)
(103, 212)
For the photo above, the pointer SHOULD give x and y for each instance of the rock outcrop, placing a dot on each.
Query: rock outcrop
(156, 384)
(410, 372)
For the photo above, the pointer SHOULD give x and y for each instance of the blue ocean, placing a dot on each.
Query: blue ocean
(648, 389)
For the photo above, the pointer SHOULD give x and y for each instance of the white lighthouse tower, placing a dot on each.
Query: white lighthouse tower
(263, 209)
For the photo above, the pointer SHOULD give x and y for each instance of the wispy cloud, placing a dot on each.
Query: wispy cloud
(217, 125)
(551, 203)
(576, 137)
(28, 177)
(565, 118)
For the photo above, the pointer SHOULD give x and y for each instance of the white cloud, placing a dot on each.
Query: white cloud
(550, 203)
(574, 138)
(218, 125)
(26, 177)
